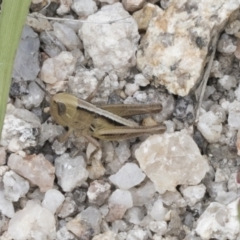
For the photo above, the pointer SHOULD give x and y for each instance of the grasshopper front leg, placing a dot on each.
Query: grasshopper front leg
(64, 137)
(95, 143)
(92, 95)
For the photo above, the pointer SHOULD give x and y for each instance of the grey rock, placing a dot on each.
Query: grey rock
(26, 66)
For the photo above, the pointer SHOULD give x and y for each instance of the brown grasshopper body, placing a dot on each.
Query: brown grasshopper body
(104, 122)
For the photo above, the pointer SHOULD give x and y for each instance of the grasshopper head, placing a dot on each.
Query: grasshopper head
(63, 107)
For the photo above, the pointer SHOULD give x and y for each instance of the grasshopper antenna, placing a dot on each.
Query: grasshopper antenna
(91, 96)
(43, 89)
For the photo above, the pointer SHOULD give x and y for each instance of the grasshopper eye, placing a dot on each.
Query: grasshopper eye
(61, 107)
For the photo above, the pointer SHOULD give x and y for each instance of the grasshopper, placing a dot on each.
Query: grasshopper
(104, 122)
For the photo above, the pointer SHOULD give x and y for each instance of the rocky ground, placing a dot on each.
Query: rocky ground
(182, 184)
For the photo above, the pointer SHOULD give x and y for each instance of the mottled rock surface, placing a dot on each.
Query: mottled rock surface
(2, 156)
(84, 8)
(36, 168)
(33, 222)
(20, 129)
(145, 15)
(71, 172)
(124, 179)
(219, 221)
(133, 5)
(6, 206)
(112, 46)
(183, 184)
(166, 160)
(53, 199)
(185, 28)
(56, 70)
(210, 126)
(67, 36)
(119, 202)
(98, 192)
(14, 186)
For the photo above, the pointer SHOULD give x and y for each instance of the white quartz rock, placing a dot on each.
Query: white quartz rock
(49, 132)
(20, 129)
(233, 185)
(158, 211)
(67, 36)
(53, 199)
(112, 46)
(58, 68)
(121, 197)
(3, 170)
(170, 160)
(84, 8)
(133, 5)
(128, 176)
(237, 93)
(220, 175)
(119, 202)
(33, 222)
(109, 1)
(6, 207)
(74, 25)
(226, 44)
(173, 199)
(219, 221)
(145, 15)
(226, 197)
(64, 7)
(228, 82)
(140, 80)
(216, 70)
(143, 194)
(71, 172)
(210, 126)
(14, 186)
(141, 96)
(119, 226)
(234, 114)
(84, 82)
(137, 233)
(64, 234)
(175, 47)
(123, 152)
(36, 195)
(135, 215)
(2, 156)
(159, 227)
(34, 97)
(131, 88)
(193, 194)
(109, 235)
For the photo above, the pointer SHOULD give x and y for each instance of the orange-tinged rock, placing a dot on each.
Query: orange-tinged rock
(35, 168)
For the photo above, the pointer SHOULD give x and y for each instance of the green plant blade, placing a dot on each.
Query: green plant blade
(12, 19)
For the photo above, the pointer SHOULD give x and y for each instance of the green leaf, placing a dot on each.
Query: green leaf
(12, 19)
